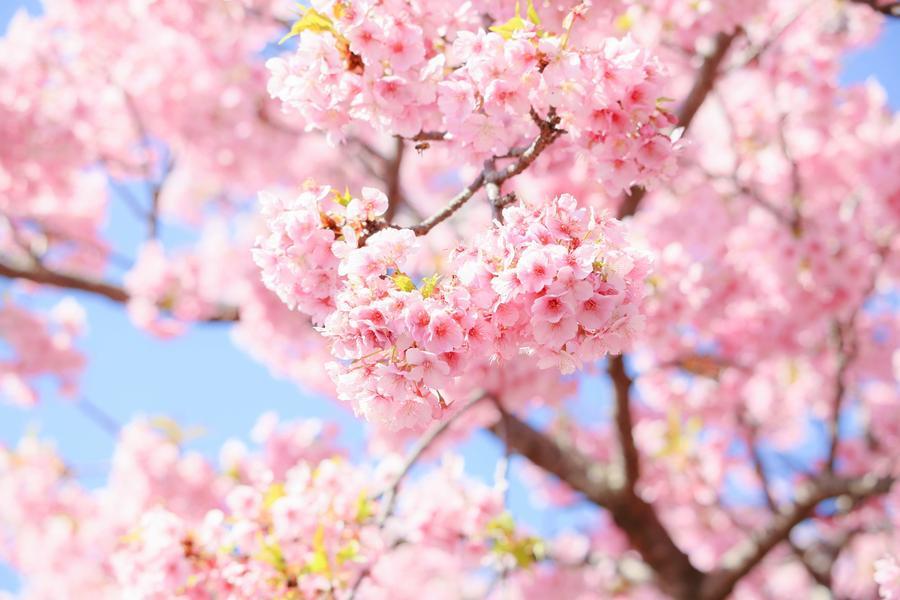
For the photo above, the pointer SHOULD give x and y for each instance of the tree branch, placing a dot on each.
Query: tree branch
(390, 493)
(392, 179)
(745, 556)
(549, 132)
(845, 339)
(423, 443)
(821, 576)
(155, 195)
(706, 79)
(606, 488)
(624, 425)
(38, 273)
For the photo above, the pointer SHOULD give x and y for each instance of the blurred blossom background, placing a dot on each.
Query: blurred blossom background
(202, 379)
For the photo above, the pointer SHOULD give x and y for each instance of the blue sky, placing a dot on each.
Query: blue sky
(202, 378)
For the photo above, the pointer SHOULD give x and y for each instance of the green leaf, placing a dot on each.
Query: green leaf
(319, 563)
(403, 282)
(271, 553)
(532, 14)
(525, 551)
(312, 20)
(273, 493)
(624, 22)
(349, 552)
(174, 432)
(342, 199)
(517, 23)
(501, 525)
(510, 27)
(428, 285)
(365, 508)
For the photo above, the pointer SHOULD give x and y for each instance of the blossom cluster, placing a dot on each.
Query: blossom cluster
(39, 345)
(309, 532)
(292, 519)
(552, 281)
(887, 576)
(422, 67)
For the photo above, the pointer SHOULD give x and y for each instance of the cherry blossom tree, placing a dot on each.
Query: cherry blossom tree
(448, 217)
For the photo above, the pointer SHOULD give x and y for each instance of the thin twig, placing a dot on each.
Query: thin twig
(392, 180)
(756, 53)
(599, 484)
(888, 9)
(425, 442)
(99, 417)
(549, 132)
(822, 577)
(389, 495)
(847, 348)
(703, 84)
(745, 556)
(44, 275)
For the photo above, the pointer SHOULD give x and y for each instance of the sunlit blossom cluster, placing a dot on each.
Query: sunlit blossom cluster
(552, 281)
(436, 69)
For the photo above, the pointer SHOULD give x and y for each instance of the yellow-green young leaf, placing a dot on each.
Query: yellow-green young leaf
(319, 562)
(342, 199)
(527, 551)
(364, 508)
(233, 473)
(168, 302)
(227, 549)
(428, 285)
(275, 491)
(532, 13)
(312, 20)
(271, 553)
(680, 436)
(131, 537)
(624, 22)
(169, 427)
(507, 30)
(174, 432)
(349, 552)
(403, 282)
(501, 526)
(517, 23)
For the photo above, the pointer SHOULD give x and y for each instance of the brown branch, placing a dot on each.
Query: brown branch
(844, 357)
(703, 84)
(606, 488)
(423, 443)
(622, 384)
(156, 193)
(745, 556)
(99, 417)
(549, 132)
(889, 9)
(429, 136)
(38, 273)
(845, 341)
(454, 205)
(791, 221)
(392, 179)
(821, 576)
